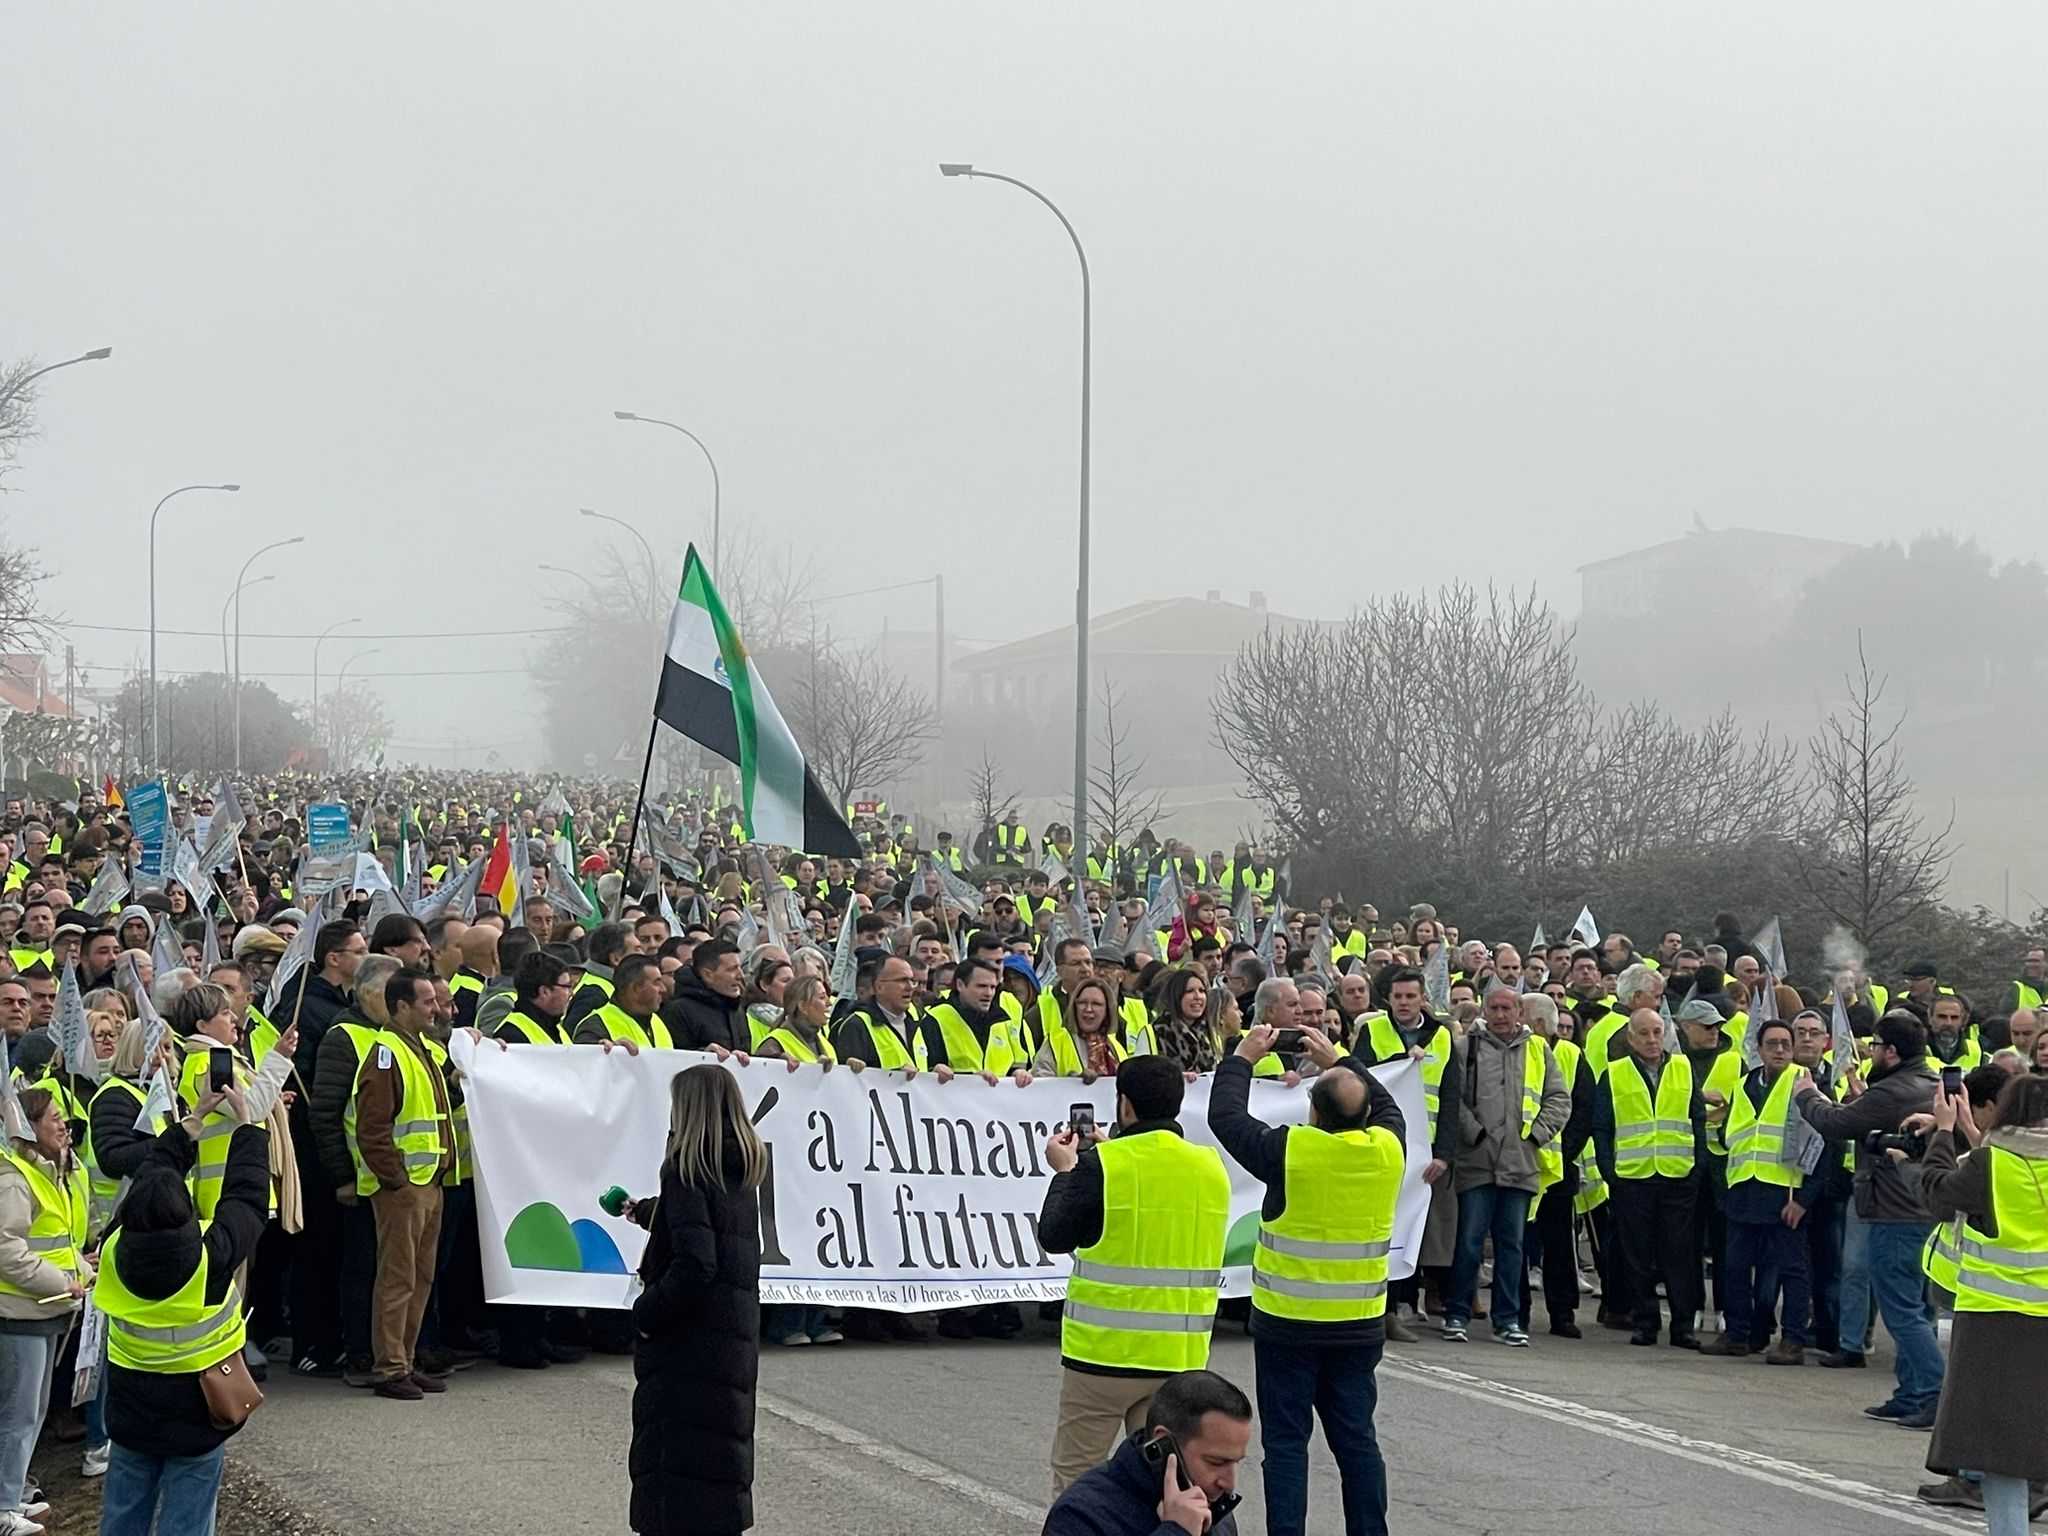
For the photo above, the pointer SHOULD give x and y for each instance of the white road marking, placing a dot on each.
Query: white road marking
(908, 1462)
(1773, 1470)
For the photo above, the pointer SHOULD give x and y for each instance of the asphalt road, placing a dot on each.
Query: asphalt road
(949, 1438)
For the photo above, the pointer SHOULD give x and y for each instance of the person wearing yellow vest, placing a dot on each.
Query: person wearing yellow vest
(44, 1201)
(1648, 1130)
(630, 1016)
(1950, 1040)
(1079, 1042)
(799, 1035)
(2030, 990)
(473, 976)
(1568, 1178)
(405, 1148)
(1408, 1029)
(609, 944)
(1993, 1203)
(1512, 1102)
(115, 1145)
(969, 1031)
(882, 1032)
(1144, 1213)
(1010, 840)
(1710, 1044)
(203, 1020)
(541, 992)
(166, 1284)
(1767, 1143)
(1319, 1270)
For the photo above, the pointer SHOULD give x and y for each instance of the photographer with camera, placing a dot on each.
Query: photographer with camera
(1888, 1223)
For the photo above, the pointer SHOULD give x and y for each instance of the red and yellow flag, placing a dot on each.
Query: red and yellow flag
(111, 793)
(498, 878)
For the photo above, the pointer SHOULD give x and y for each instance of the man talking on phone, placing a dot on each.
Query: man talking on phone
(1176, 1477)
(1144, 1214)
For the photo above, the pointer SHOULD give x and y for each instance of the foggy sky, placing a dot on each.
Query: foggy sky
(1383, 295)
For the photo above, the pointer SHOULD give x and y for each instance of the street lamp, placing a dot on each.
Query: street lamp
(233, 600)
(716, 517)
(341, 682)
(653, 587)
(319, 640)
(151, 756)
(954, 168)
(240, 582)
(94, 356)
(563, 570)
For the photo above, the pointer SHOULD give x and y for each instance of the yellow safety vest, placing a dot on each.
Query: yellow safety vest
(1756, 1140)
(1599, 1042)
(1324, 1258)
(1385, 1037)
(2027, 995)
(362, 1035)
(416, 1126)
(533, 1031)
(621, 1025)
(887, 1043)
(964, 1053)
(2009, 1272)
(1652, 1139)
(1592, 1187)
(1939, 1260)
(172, 1337)
(1138, 1035)
(1268, 1065)
(794, 1048)
(1143, 1297)
(1066, 1050)
(459, 1172)
(1012, 840)
(215, 1132)
(57, 1225)
(262, 1036)
(106, 1191)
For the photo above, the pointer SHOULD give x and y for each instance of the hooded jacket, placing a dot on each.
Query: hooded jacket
(1491, 1147)
(698, 1017)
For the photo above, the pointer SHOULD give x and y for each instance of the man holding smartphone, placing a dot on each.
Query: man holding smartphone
(1144, 1213)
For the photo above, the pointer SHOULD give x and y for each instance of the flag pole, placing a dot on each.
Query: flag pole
(646, 768)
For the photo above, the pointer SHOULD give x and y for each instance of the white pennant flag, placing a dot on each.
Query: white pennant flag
(224, 832)
(109, 886)
(1436, 978)
(1538, 942)
(845, 963)
(1242, 919)
(210, 955)
(1276, 922)
(1769, 944)
(1585, 930)
(74, 1035)
(166, 953)
(455, 897)
(1842, 1039)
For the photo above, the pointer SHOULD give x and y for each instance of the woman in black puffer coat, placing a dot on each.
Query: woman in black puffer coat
(699, 1318)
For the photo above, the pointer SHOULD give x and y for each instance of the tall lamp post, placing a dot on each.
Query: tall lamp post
(716, 515)
(241, 582)
(1081, 585)
(150, 757)
(653, 580)
(318, 641)
(234, 600)
(563, 570)
(97, 354)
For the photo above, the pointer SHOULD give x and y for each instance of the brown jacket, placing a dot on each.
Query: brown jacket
(379, 1092)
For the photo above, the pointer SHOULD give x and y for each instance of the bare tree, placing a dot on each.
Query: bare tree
(355, 724)
(861, 725)
(17, 411)
(1869, 861)
(1118, 805)
(992, 802)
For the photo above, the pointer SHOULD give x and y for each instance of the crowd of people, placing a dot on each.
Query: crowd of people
(252, 1153)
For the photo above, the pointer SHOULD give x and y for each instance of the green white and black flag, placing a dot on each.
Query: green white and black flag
(712, 693)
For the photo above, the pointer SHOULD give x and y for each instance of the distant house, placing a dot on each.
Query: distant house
(1747, 575)
(25, 686)
(1154, 650)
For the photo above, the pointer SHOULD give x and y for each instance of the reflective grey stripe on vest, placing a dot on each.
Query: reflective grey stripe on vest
(49, 1244)
(2010, 1258)
(412, 1127)
(1626, 1128)
(191, 1333)
(1318, 1290)
(1997, 1285)
(213, 1130)
(1137, 1322)
(1121, 1274)
(1674, 1128)
(1309, 1248)
(422, 1160)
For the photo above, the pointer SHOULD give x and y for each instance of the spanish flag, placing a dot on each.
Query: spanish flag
(499, 870)
(111, 793)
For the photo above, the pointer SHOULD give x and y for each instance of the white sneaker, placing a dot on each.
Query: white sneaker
(14, 1523)
(35, 1509)
(96, 1459)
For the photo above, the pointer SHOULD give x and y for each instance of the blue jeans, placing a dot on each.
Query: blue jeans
(1336, 1383)
(188, 1486)
(1772, 1255)
(1483, 1211)
(788, 1320)
(26, 1362)
(1888, 1255)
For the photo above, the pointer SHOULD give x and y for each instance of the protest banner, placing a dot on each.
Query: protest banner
(149, 818)
(330, 848)
(897, 1194)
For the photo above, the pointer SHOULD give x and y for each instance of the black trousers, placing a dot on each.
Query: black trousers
(1559, 1258)
(1825, 1225)
(1710, 1223)
(358, 1275)
(1653, 1226)
(314, 1253)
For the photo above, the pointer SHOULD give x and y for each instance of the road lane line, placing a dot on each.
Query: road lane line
(909, 1463)
(1776, 1471)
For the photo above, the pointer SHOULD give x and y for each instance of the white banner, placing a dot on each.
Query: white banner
(905, 1195)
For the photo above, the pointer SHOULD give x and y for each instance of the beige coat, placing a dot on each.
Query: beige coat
(18, 1266)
